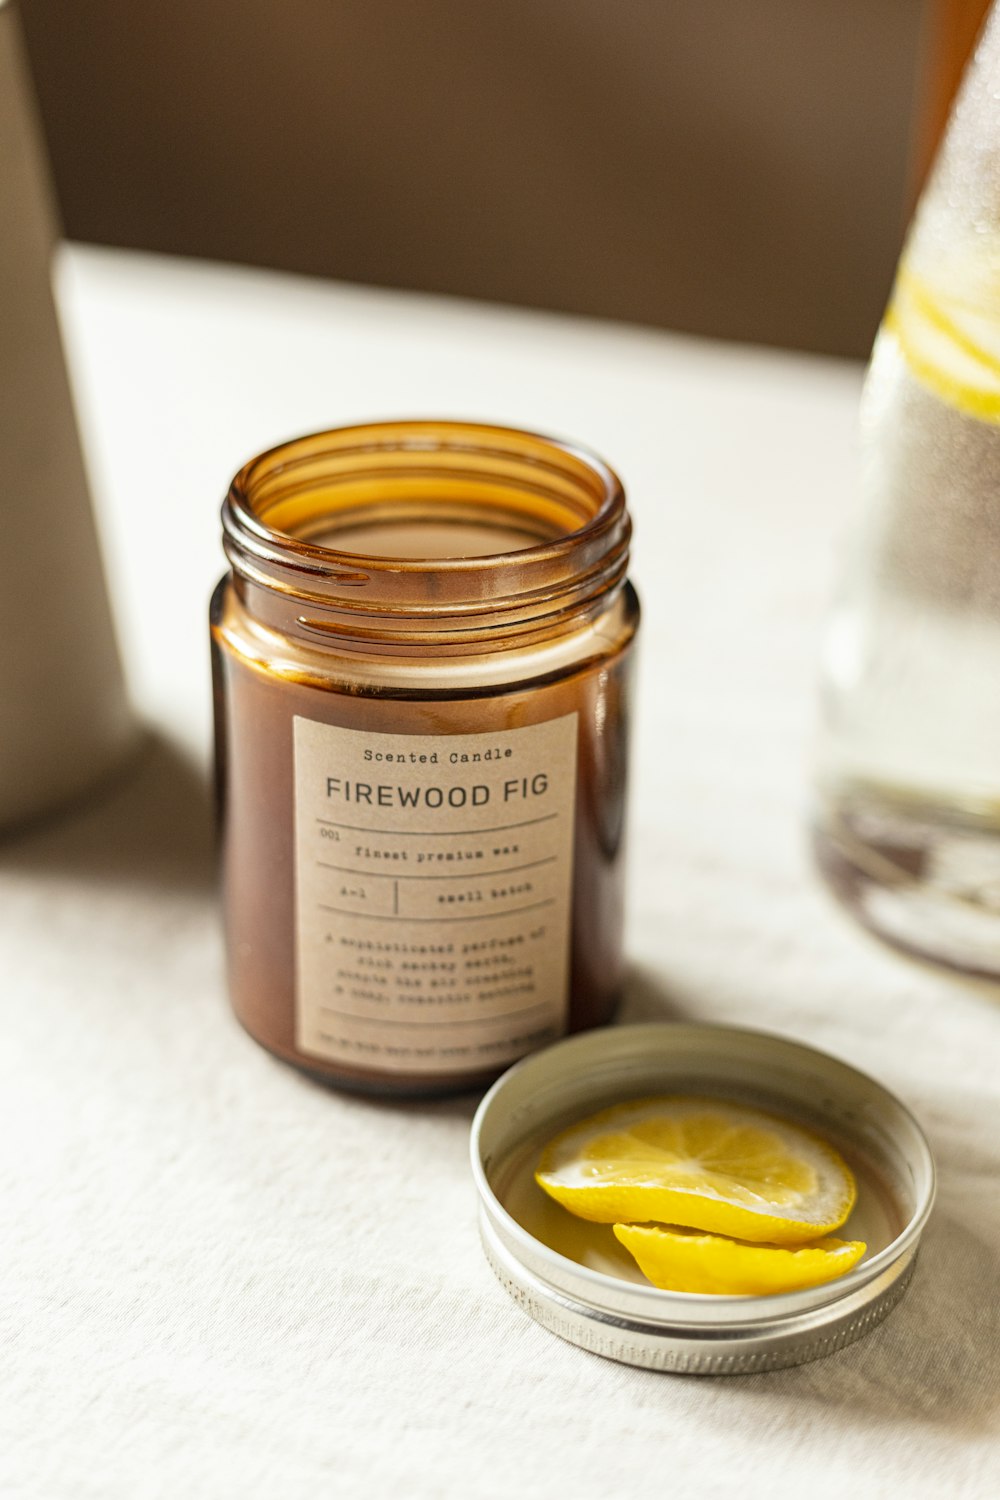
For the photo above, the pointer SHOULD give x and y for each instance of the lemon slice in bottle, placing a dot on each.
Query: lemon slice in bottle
(945, 321)
(687, 1260)
(702, 1164)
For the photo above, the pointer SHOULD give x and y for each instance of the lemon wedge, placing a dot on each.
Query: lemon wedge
(685, 1260)
(702, 1164)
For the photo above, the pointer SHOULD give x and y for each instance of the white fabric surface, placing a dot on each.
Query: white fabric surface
(219, 1279)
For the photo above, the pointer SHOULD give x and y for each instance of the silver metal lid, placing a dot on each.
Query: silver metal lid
(594, 1298)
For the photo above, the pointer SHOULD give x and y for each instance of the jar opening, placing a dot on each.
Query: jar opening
(428, 518)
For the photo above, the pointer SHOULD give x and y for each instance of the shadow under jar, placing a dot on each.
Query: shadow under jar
(421, 664)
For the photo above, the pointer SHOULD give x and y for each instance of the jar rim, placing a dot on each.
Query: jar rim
(559, 478)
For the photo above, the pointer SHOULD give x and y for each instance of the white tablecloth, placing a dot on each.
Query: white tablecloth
(219, 1279)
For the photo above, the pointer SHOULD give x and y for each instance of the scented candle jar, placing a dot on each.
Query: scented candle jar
(421, 660)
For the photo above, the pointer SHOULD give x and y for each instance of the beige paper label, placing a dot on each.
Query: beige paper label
(433, 887)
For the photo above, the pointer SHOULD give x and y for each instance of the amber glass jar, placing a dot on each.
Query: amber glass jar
(421, 665)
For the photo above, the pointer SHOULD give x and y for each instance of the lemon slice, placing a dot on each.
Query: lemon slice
(701, 1163)
(685, 1260)
(947, 328)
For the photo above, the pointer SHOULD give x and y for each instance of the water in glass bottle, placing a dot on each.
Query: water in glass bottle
(908, 790)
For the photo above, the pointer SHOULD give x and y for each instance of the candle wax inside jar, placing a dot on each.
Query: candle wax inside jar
(431, 538)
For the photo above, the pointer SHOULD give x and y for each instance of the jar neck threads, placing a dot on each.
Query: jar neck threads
(438, 533)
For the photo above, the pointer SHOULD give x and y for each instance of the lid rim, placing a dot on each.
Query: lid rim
(690, 1348)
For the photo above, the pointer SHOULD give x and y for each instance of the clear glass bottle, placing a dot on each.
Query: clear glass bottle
(421, 662)
(908, 812)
